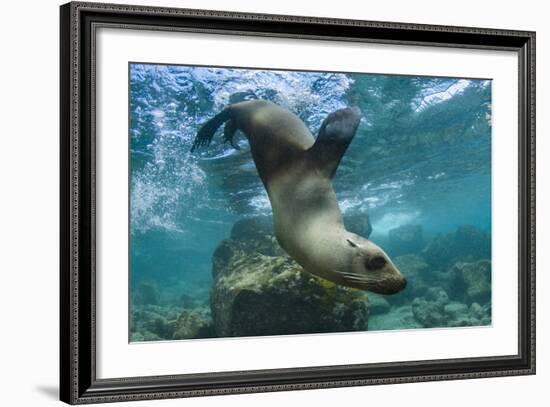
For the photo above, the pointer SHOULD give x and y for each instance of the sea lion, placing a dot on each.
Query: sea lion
(296, 170)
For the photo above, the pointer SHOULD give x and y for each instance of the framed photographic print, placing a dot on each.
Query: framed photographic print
(257, 203)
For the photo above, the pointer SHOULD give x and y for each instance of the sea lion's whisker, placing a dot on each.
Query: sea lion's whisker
(353, 277)
(357, 278)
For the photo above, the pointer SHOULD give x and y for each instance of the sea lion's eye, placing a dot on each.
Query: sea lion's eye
(376, 263)
(352, 243)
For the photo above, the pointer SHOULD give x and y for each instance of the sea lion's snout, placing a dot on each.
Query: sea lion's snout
(388, 281)
(391, 286)
(371, 269)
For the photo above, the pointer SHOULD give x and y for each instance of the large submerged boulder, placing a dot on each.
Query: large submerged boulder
(467, 243)
(194, 323)
(419, 278)
(259, 290)
(471, 282)
(406, 239)
(358, 223)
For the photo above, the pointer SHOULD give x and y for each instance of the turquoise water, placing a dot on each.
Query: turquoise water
(421, 159)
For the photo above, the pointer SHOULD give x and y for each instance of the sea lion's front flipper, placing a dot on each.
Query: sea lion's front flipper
(335, 134)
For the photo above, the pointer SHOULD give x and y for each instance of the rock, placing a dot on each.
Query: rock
(136, 337)
(358, 224)
(427, 313)
(486, 320)
(257, 291)
(475, 322)
(378, 304)
(151, 320)
(160, 326)
(172, 313)
(230, 251)
(469, 285)
(149, 336)
(439, 251)
(431, 314)
(439, 312)
(456, 310)
(462, 320)
(477, 277)
(194, 323)
(156, 322)
(406, 239)
(397, 318)
(190, 301)
(467, 243)
(143, 314)
(472, 281)
(419, 279)
(472, 243)
(481, 313)
(437, 295)
(476, 311)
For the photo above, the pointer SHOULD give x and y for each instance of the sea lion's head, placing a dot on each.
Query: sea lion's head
(370, 268)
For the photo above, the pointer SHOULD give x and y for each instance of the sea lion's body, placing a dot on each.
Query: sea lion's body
(297, 170)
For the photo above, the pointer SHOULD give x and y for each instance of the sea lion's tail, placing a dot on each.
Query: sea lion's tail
(207, 131)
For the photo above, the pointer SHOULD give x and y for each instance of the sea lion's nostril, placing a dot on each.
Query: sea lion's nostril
(376, 263)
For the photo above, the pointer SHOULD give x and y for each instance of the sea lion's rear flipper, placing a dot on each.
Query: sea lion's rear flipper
(229, 133)
(207, 131)
(335, 134)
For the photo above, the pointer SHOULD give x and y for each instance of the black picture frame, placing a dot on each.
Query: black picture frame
(78, 382)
